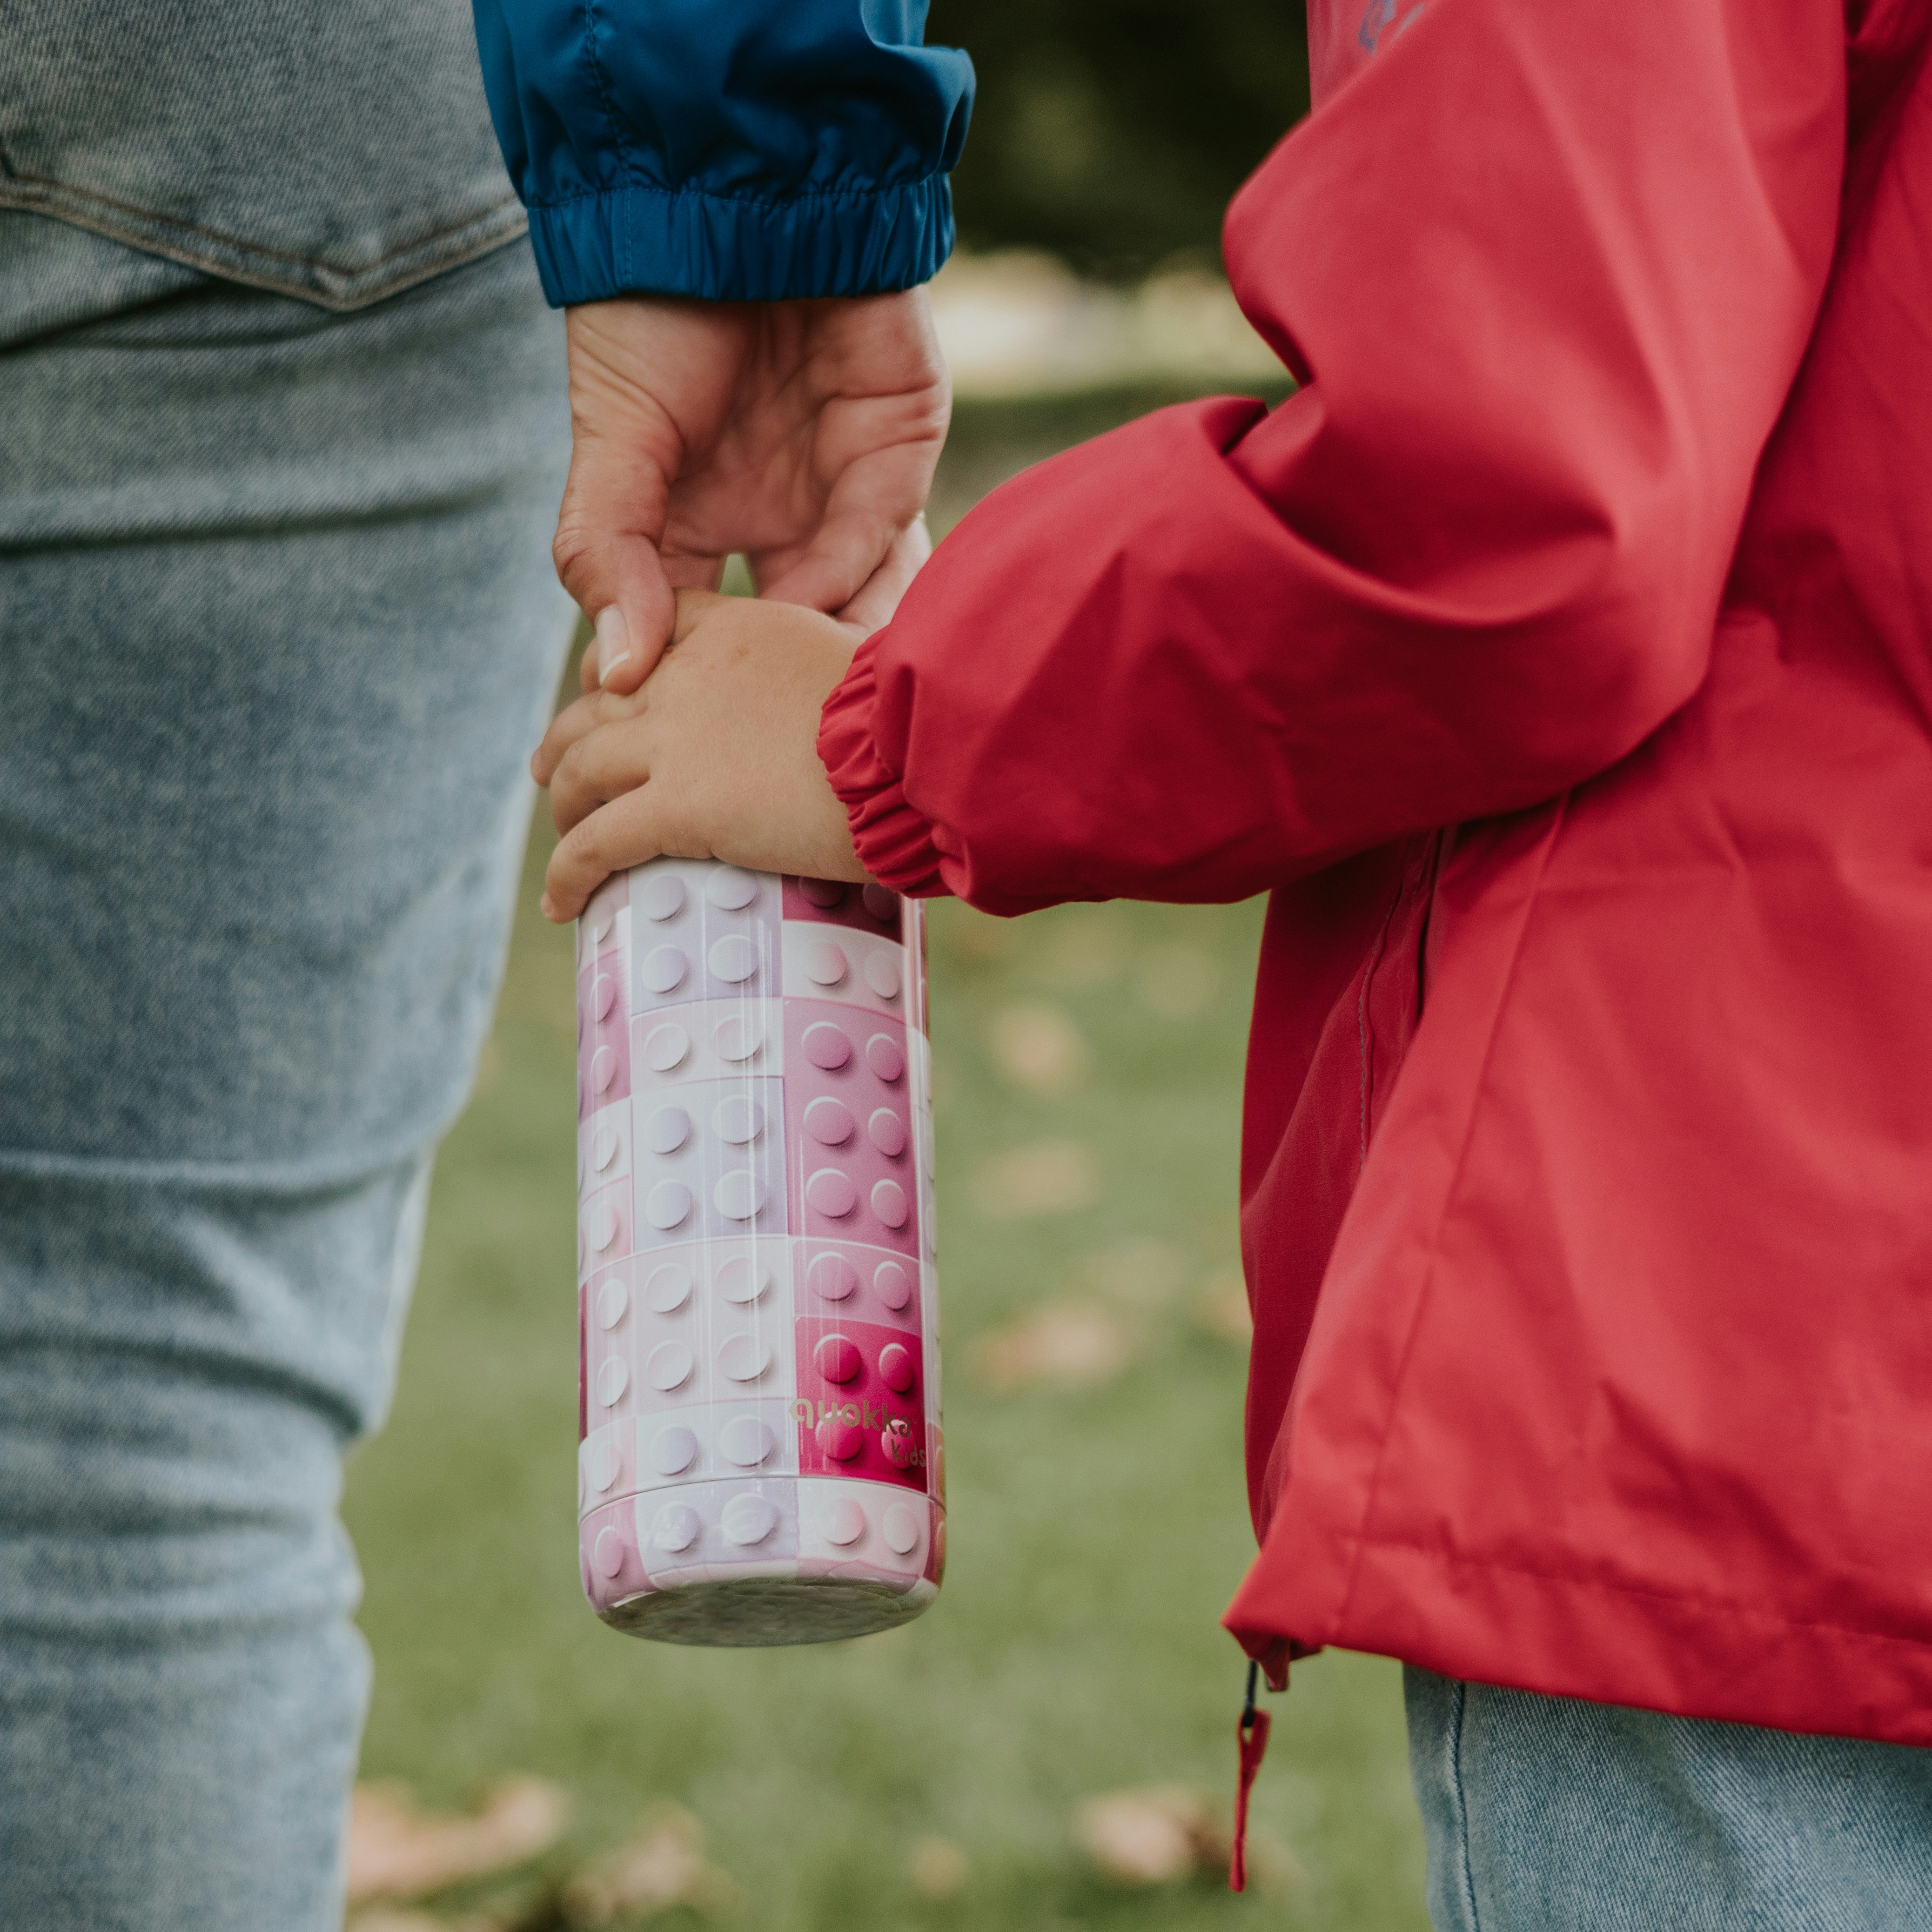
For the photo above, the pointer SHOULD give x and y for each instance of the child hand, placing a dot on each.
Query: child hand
(714, 757)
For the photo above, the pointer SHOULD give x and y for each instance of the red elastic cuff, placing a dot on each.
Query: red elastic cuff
(894, 840)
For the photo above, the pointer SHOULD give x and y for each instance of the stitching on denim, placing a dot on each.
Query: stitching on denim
(494, 211)
(1461, 1696)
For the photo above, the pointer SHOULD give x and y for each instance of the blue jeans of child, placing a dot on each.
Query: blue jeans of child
(278, 630)
(1546, 1814)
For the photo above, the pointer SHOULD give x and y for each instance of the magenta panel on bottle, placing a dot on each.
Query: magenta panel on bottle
(760, 1459)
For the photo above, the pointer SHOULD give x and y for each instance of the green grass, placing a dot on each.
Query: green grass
(1095, 1534)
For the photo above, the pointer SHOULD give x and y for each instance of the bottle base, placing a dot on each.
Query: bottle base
(745, 1612)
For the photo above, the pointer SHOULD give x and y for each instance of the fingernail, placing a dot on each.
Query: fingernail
(613, 642)
(547, 906)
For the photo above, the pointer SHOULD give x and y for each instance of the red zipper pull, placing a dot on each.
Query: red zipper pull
(1251, 1737)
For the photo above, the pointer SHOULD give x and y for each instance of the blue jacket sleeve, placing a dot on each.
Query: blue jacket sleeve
(738, 150)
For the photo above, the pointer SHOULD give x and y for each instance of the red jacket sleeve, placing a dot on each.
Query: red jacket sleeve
(1545, 274)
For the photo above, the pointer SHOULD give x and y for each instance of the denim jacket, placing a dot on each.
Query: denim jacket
(747, 150)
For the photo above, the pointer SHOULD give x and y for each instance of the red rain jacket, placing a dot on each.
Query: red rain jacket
(1588, 1182)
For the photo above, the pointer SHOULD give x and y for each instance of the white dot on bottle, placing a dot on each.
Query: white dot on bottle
(613, 1379)
(845, 1522)
(828, 1121)
(603, 1069)
(738, 1038)
(666, 1204)
(675, 1528)
(742, 1279)
(833, 1277)
(602, 1228)
(607, 1552)
(738, 1118)
(824, 963)
(614, 1298)
(738, 1194)
(883, 1055)
(603, 1461)
(733, 959)
(824, 893)
(897, 1369)
(604, 1147)
(746, 1441)
(601, 920)
(668, 1367)
(662, 969)
(892, 1282)
(603, 995)
(882, 903)
(673, 1450)
(888, 1203)
(901, 1529)
(826, 1046)
(831, 1193)
(882, 975)
(748, 1520)
(666, 1130)
(659, 898)
(731, 888)
(668, 1288)
(886, 1131)
(665, 1048)
(744, 1358)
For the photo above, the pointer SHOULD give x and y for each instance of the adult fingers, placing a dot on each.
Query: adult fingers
(874, 502)
(626, 831)
(607, 556)
(879, 597)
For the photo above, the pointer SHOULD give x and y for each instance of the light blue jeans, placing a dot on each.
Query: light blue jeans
(1547, 1814)
(278, 630)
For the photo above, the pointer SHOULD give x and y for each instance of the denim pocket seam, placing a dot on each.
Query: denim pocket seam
(331, 286)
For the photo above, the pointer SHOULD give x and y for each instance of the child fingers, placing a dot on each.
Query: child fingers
(625, 833)
(599, 766)
(576, 721)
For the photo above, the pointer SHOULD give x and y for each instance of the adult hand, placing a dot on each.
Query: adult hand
(803, 433)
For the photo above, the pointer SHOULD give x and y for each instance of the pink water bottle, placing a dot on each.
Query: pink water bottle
(758, 1361)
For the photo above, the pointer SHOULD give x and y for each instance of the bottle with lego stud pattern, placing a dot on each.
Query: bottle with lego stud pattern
(760, 1459)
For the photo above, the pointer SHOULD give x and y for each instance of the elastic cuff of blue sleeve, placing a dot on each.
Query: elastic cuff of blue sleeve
(649, 241)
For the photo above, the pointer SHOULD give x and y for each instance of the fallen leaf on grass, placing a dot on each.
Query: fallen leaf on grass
(1158, 1834)
(937, 1868)
(1048, 1177)
(662, 1866)
(396, 1851)
(1038, 1049)
(1073, 1344)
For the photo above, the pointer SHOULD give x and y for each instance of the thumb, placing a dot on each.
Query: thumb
(606, 552)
